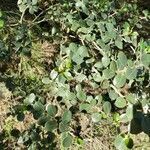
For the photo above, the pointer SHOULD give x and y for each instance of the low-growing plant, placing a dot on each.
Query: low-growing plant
(102, 70)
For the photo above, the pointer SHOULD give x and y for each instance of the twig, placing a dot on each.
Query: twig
(23, 13)
(116, 90)
(11, 12)
(40, 14)
(101, 51)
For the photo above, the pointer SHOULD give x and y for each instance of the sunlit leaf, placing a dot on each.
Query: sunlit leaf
(108, 73)
(30, 99)
(52, 110)
(96, 117)
(51, 125)
(63, 127)
(85, 106)
(113, 95)
(67, 141)
(1, 23)
(107, 107)
(120, 143)
(119, 80)
(131, 98)
(122, 60)
(46, 80)
(130, 112)
(105, 61)
(145, 59)
(119, 43)
(131, 73)
(120, 102)
(66, 118)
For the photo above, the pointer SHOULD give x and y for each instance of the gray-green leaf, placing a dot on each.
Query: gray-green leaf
(113, 95)
(107, 107)
(129, 112)
(66, 118)
(131, 98)
(119, 80)
(46, 80)
(96, 117)
(122, 60)
(145, 59)
(131, 73)
(119, 43)
(120, 102)
(51, 125)
(52, 110)
(67, 141)
(53, 74)
(30, 99)
(105, 61)
(108, 73)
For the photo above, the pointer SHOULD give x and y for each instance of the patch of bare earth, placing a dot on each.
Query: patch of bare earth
(102, 137)
(25, 124)
(49, 51)
(96, 136)
(9, 123)
(141, 141)
(5, 96)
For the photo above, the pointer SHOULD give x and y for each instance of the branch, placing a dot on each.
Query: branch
(116, 90)
(101, 51)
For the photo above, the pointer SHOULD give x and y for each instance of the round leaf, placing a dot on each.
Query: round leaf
(85, 106)
(120, 102)
(108, 73)
(105, 61)
(145, 59)
(1, 23)
(131, 98)
(30, 99)
(67, 141)
(96, 117)
(122, 60)
(119, 43)
(34, 2)
(119, 80)
(83, 51)
(66, 118)
(42, 120)
(97, 77)
(50, 125)
(52, 110)
(120, 143)
(46, 80)
(113, 66)
(63, 127)
(105, 84)
(129, 112)
(81, 95)
(131, 73)
(53, 74)
(38, 106)
(98, 65)
(107, 107)
(113, 95)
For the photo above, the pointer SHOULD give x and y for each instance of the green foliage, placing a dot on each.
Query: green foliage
(28, 4)
(123, 142)
(101, 68)
(1, 20)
